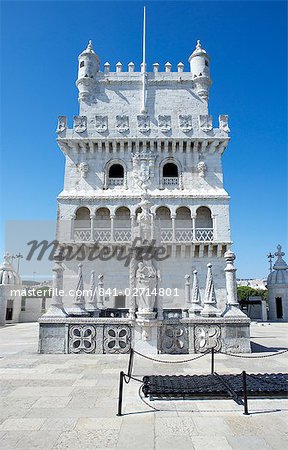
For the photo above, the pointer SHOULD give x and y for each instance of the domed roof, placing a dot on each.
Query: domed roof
(280, 273)
(199, 51)
(7, 273)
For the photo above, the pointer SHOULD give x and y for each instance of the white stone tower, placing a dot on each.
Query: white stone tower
(142, 209)
(115, 153)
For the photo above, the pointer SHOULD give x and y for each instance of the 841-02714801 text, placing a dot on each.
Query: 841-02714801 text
(134, 292)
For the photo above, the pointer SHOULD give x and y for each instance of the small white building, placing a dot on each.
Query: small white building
(277, 285)
(10, 303)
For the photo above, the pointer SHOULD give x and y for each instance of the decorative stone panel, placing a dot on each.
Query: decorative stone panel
(122, 123)
(82, 339)
(207, 337)
(117, 339)
(80, 124)
(174, 339)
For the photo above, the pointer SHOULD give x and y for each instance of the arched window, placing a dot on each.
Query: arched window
(102, 225)
(82, 224)
(163, 216)
(169, 175)
(204, 224)
(116, 175)
(170, 170)
(83, 217)
(122, 225)
(183, 225)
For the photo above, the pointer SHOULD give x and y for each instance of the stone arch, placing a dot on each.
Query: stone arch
(115, 174)
(183, 224)
(204, 217)
(81, 225)
(170, 173)
(102, 224)
(164, 222)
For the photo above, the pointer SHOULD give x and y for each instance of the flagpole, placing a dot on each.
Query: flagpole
(143, 110)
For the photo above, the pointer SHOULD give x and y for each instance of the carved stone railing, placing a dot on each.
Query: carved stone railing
(184, 234)
(122, 235)
(125, 235)
(115, 182)
(166, 234)
(170, 181)
(204, 234)
(82, 234)
(187, 235)
(102, 235)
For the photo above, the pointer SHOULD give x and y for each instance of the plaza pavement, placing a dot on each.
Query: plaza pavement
(69, 401)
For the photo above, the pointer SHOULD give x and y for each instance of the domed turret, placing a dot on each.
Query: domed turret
(277, 285)
(280, 273)
(200, 70)
(88, 67)
(7, 273)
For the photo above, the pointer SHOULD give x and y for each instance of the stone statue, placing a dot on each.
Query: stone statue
(146, 285)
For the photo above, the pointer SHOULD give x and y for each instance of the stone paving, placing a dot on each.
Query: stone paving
(69, 401)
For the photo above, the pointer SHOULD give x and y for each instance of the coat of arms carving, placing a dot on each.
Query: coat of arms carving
(205, 123)
(143, 123)
(80, 124)
(185, 123)
(101, 123)
(164, 123)
(223, 123)
(62, 124)
(122, 123)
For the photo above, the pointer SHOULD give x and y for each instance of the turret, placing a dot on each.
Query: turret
(88, 67)
(200, 70)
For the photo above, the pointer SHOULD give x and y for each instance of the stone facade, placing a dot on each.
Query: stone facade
(143, 160)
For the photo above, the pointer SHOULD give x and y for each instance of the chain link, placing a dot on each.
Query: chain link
(173, 362)
(253, 357)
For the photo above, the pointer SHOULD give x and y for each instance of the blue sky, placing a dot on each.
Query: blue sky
(247, 42)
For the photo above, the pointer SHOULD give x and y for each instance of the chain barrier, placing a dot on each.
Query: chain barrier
(253, 357)
(173, 362)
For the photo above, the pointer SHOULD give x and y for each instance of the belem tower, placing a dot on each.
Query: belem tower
(143, 186)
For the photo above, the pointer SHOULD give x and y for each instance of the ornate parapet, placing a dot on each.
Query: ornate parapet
(172, 336)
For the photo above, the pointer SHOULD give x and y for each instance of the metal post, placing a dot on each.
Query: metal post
(212, 360)
(130, 364)
(246, 413)
(120, 394)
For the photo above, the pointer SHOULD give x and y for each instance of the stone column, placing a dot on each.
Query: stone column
(56, 308)
(112, 216)
(194, 227)
(214, 227)
(232, 305)
(173, 218)
(92, 219)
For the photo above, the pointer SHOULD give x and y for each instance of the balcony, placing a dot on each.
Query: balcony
(114, 182)
(102, 235)
(170, 181)
(125, 235)
(187, 235)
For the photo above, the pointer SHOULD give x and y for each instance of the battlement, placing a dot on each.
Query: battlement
(141, 126)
